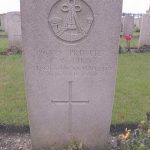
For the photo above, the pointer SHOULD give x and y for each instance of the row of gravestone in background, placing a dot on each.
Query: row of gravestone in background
(141, 24)
(11, 24)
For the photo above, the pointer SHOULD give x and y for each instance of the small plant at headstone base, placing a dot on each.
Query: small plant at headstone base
(73, 145)
(128, 38)
(139, 139)
(137, 29)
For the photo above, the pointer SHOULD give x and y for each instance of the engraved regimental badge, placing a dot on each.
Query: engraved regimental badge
(71, 20)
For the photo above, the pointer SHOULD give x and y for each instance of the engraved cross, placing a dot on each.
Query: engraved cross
(70, 102)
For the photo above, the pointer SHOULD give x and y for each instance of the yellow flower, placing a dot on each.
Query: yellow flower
(125, 135)
(148, 131)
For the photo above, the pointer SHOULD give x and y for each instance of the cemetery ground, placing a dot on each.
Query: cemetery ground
(132, 97)
(132, 91)
(3, 43)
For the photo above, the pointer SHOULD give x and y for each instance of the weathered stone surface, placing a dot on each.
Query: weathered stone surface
(5, 22)
(13, 29)
(2, 21)
(128, 24)
(145, 31)
(122, 23)
(70, 51)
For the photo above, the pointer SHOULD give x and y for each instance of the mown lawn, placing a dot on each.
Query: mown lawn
(3, 44)
(2, 33)
(132, 98)
(133, 44)
(12, 93)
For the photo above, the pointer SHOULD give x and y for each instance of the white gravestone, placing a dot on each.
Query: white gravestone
(128, 24)
(70, 52)
(2, 22)
(5, 22)
(13, 28)
(145, 31)
(148, 11)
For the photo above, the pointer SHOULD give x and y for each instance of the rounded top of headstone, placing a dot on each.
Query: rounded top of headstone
(148, 11)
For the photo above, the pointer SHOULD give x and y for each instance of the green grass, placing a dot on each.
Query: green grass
(132, 98)
(12, 93)
(136, 34)
(134, 41)
(133, 44)
(2, 33)
(3, 44)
